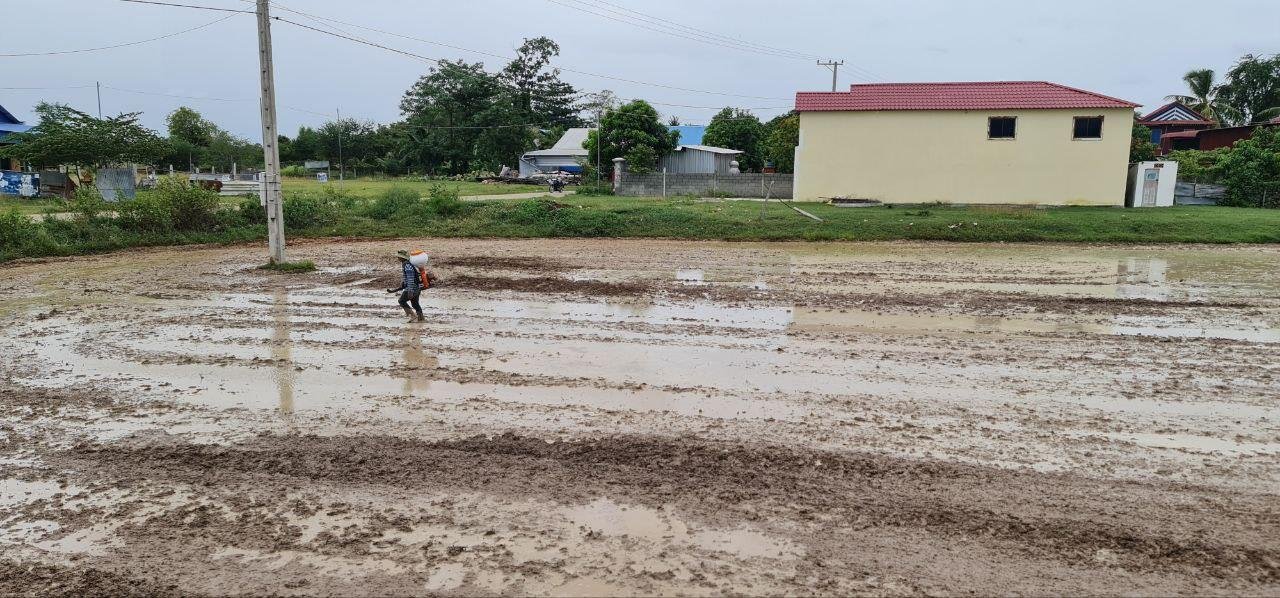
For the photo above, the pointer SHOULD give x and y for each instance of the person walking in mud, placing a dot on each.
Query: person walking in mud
(410, 288)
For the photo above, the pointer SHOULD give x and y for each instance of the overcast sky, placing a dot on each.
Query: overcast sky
(1136, 51)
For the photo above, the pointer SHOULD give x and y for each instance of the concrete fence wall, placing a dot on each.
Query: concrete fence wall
(730, 185)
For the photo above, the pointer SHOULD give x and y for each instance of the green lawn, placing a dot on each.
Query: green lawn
(320, 215)
(689, 218)
(742, 220)
(31, 206)
(367, 187)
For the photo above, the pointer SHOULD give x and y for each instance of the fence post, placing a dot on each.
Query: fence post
(664, 182)
(619, 165)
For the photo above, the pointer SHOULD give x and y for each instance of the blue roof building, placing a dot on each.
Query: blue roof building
(690, 134)
(10, 124)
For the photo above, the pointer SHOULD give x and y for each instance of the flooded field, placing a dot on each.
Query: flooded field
(644, 417)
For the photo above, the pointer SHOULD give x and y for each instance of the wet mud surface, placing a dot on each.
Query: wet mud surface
(639, 417)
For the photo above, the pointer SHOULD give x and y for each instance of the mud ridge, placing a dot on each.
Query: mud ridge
(1060, 517)
(33, 579)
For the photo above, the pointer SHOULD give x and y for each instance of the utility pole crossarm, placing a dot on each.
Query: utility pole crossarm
(834, 65)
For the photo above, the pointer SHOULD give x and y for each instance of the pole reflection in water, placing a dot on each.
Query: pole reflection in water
(418, 367)
(282, 349)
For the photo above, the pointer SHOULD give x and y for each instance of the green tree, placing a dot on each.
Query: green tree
(1140, 148)
(1251, 170)
(307, 145)
(627, 128)
(65, 135)
(189, 133)
(459, 117)
(740, 130)
(1252, 89)
(536, 87)
(1203, 96)
(782, 135)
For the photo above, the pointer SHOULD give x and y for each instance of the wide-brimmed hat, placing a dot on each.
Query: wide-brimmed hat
(402, 254)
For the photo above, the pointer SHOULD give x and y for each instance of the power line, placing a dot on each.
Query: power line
(346, 35)
(126, 44)
(711, 37)
(654, 19)
(45, 88)
(642, 24)
(210, 99)
(249, 12)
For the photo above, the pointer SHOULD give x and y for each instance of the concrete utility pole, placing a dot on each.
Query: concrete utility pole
(272, 198)
(99, 86)
(599, 142)
(342, 165)
(834, 65)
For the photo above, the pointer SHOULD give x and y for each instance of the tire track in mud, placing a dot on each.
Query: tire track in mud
(1141, 527)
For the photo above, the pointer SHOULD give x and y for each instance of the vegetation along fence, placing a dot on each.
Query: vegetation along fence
(657, 184)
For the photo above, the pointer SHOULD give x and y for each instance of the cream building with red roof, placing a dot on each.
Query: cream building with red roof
(1003, 142)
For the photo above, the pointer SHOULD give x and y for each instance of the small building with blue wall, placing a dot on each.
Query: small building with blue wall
(9, 124)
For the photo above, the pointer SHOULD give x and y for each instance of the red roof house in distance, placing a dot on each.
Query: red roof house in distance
(1010, 142)
(1174, 117)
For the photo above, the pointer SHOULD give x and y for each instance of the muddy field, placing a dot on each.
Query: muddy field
(626, 417)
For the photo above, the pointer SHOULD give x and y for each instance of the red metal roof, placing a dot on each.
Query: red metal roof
(990, 95)
(1180, 135)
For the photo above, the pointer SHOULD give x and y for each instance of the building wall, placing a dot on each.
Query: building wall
(923, 156)
(1213, 139)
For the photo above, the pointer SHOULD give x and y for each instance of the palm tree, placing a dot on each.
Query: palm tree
(1204, 96)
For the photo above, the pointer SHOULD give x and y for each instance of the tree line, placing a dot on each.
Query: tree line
(457, 119)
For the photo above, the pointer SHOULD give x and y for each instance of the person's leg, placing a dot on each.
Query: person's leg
(416, 305)
(404, 303)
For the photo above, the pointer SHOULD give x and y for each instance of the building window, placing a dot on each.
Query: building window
(1002, 127)
(1088, 127)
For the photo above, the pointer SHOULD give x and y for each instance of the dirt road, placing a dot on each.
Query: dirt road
(635, 417)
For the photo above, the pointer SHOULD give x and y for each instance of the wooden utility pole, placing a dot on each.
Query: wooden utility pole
(834, 65)
(272, 197)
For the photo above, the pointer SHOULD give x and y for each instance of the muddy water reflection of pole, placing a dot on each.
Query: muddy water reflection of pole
(418, 366)
(282, 349)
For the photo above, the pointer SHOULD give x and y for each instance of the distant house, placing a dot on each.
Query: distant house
(1211, 139)
(567, 155)
(1002, 142)
(1173, 117)
(698, 159)
(10, 124)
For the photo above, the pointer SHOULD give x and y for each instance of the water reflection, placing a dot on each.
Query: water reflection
(1144, 278)
(418, 367)
(282, 349)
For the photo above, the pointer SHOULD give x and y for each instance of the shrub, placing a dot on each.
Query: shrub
(87, 203)
(1251, 171)
(306, 210)
(173, 205)
(589, 189)
(20, 236)
(251, 211)
(392, 202)
(148, 212)
(191, 207)
(295, 171)
(443, 201)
